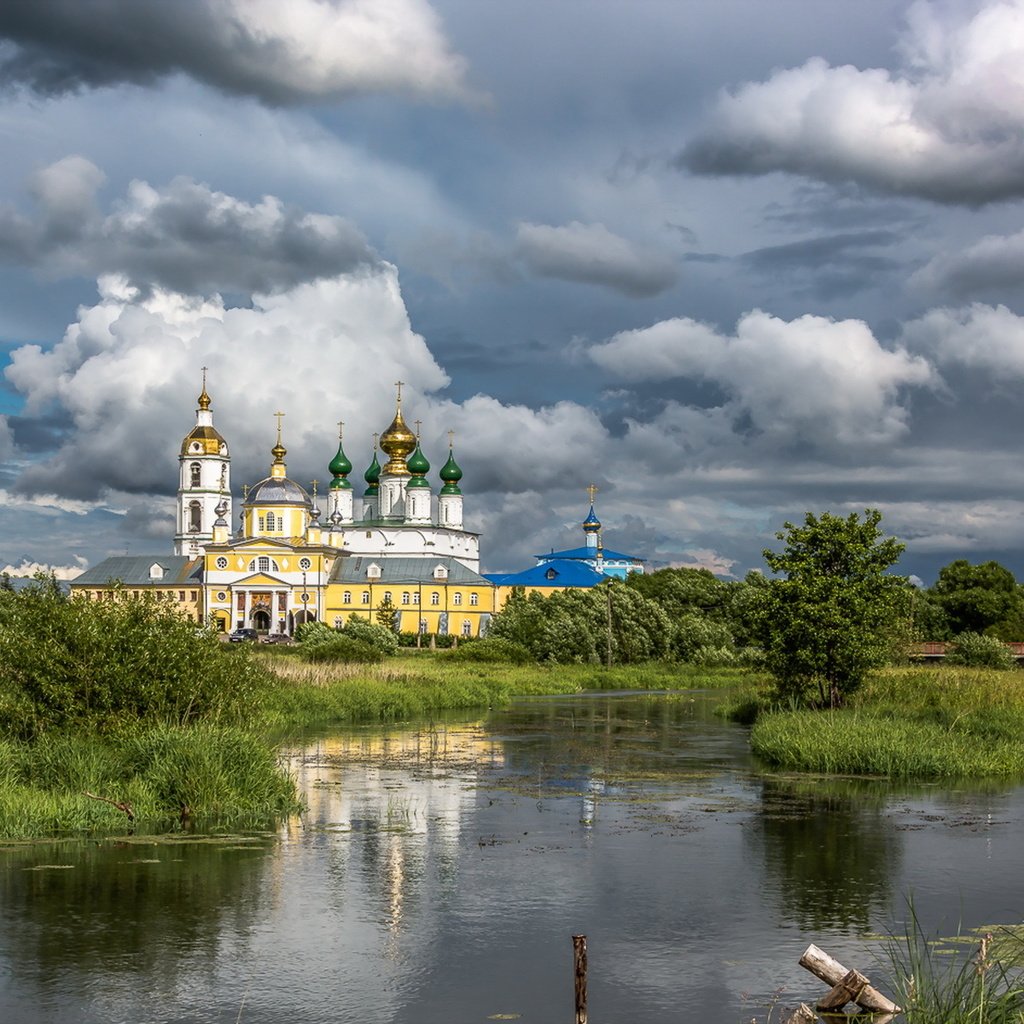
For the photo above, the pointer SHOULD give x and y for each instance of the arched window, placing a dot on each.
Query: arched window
(366, 597)
(195, 516)
(263, 564)
(435, 598)
(196, 470)
(405, 597)
(423, 625)
(457, 599)
(271, 521)
(387, 596)
(467, 627)
(473, 599)
(346, 598)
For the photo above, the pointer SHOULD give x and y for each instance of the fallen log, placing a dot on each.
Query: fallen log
(856, 987)
(803, 1014)
(122, 805)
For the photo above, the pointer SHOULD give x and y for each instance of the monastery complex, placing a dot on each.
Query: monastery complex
(287, 562)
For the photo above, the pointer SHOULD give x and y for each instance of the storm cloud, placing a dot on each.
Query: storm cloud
(298, 52)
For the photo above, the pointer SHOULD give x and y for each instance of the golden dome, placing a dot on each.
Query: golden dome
(204, 441)
(398, 442)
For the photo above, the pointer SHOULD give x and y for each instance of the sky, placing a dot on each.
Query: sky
(728, 261)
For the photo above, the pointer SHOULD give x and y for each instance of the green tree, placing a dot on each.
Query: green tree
(826, 621)
(387, 614)
(980, 599)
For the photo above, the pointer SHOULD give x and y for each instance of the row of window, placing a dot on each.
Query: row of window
(467, 625)
(167, 595)
(409, 598)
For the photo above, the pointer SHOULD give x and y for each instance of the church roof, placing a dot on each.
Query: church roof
(135, 571)
(274, 490)
(559, 572)
(412, 570)
(590, 554)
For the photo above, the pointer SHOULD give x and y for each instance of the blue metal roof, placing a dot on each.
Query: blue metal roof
(559, 572)
(590, 554)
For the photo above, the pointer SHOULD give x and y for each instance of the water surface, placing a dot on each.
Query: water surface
(442, 868)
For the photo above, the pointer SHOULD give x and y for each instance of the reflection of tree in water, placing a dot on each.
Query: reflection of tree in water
(101, 908)
(830, 847)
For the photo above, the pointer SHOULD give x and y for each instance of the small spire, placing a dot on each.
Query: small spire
(279, 451)
(314, 483)
(451, 439)
(341, 430)
(204, 398)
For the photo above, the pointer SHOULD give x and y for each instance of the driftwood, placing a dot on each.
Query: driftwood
(803, 1014)
(847, 986)
(579, 966)
(122, 805)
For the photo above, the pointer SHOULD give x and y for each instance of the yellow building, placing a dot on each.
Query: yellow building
(172, 578)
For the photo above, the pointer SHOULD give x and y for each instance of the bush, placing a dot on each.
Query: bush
(493, 649)
(312, 634)
(345, 648)
(380, 637)
(975, 650)
(107, 664)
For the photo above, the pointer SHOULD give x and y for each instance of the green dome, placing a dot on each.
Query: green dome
(372, 476)
(450, 472)
(339, 465)
(417, 463)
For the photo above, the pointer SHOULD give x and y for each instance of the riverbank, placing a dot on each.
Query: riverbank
(406, 687)
(928, 723)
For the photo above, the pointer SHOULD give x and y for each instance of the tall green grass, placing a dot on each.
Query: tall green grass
(166, 775)
(903, 723)
(403, 688)
(935, 987)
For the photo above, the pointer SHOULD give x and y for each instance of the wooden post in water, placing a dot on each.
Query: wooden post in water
(846, 985)
(803, 1014)
(579, 966)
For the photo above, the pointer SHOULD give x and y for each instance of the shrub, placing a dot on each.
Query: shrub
(976, 650)
(492, 649)
(104, 664)
(380, 637)
(345, 648)
(312, 634)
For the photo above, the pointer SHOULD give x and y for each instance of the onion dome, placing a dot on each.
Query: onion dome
(204, 438)
(397, 442)
(451, 474)
(592, 524)
(418, 468)
(340, 467)
(372, 478)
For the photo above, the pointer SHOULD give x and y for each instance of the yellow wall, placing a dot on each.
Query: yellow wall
(186, 598)
(455, 599)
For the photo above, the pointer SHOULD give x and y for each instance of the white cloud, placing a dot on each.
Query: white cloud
(814, 379)
(61, 572)
(591, 254)
(949, 126)
(989, 338)
(995, 261)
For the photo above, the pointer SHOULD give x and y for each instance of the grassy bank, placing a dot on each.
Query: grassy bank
(162, 777)
(903, 723)
(407, 687)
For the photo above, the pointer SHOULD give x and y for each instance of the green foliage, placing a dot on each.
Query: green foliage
(586, 626)
(703, 641)
(313, 633)
(387, 615)
(345, 649)
(374, 634)
(493, 649)
(976, 650)
(980, 599)
(829, 619)
(109, 664)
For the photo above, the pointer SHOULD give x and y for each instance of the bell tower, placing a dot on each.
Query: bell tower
(204, 482)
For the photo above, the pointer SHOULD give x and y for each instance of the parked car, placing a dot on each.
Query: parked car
(241, 635)
(276, 638)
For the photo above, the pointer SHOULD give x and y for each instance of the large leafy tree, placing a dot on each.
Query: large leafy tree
(826, 620)
(980, 599)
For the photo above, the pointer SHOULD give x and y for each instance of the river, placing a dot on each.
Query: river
(442, 868)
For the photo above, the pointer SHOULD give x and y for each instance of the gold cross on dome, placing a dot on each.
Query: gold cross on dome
(341, 430)
(279, 416)
(399, 384)
(451, 438)
(592, 490)
(419, 423)
(204, 377)
(315, 482)
(375, 439)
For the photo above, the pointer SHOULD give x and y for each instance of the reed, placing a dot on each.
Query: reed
(903, 723)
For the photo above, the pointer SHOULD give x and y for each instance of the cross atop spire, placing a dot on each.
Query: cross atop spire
(279, 416)
(399, 384)
(376, 437)
(592, 490)
(451, 439)
(341, 430)
(204, 398)
(315, 483)
(419, 423)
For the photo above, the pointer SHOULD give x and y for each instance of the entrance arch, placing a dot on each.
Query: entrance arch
(261, 620)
